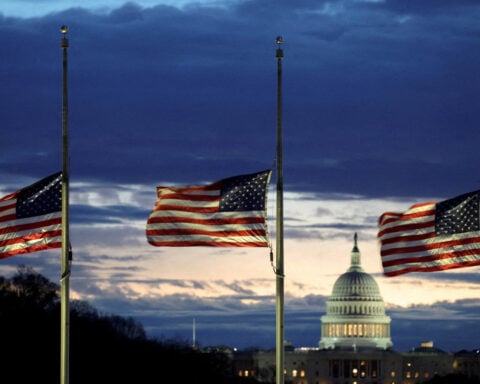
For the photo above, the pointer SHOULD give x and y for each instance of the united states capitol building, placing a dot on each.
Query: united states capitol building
(355, 344)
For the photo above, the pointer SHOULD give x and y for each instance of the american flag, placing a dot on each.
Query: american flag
(31, 218)
(431, 236)
(228, 213)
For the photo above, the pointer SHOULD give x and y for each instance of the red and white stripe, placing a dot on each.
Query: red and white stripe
(189, 216)
(18, 236)
(408, 243)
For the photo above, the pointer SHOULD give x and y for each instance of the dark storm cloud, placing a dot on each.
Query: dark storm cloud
(425, 7)
(450, 325)
(82, 214)
(325, 232)
(379, 98)
(228, 321)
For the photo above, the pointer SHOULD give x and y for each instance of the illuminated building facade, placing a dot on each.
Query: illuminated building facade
(355, 345)
(355, 311)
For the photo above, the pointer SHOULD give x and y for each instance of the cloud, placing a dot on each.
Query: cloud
(165, 81)
(425, 7)
(379, 112)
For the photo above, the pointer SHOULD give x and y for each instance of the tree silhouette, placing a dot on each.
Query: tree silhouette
(103, 348)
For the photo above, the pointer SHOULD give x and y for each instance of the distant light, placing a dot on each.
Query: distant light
(279, 40)
(64, 29)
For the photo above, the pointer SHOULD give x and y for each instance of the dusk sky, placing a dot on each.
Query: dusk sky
(380, 111)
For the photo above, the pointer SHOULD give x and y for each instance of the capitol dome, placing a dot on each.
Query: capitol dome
(355, 311)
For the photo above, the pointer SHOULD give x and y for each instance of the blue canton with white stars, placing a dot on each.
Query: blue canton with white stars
(244, 193)
(458, 215)
(40, 198)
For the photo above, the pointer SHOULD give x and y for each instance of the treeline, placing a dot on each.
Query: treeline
(103, 348)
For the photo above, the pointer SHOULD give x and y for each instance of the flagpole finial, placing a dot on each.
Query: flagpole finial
(64, 31)
(279, 41)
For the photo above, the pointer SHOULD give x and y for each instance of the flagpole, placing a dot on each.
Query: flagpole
(280, 349)
(66, 251)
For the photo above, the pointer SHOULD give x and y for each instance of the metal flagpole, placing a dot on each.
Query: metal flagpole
(280, 350)
(66, 249)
